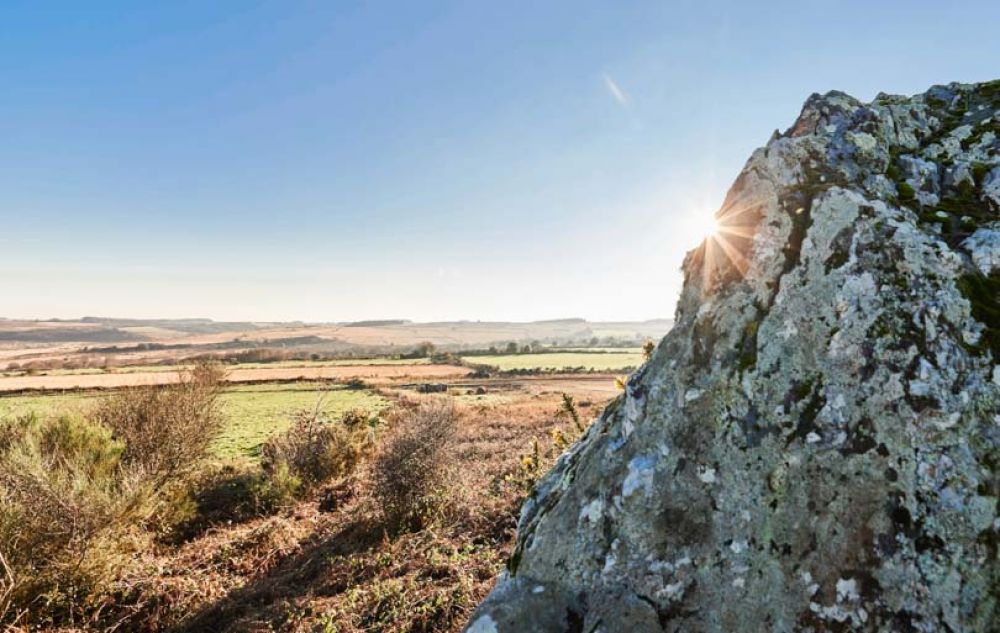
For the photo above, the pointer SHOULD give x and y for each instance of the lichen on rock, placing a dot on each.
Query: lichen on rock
(814, 446)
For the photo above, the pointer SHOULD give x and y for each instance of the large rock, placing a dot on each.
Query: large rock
(815, 445)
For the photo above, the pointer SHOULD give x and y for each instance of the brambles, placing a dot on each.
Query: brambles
(410, 474)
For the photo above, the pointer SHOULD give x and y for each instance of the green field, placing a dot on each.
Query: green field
(604, 361)
(258, 411)
(254, 412)
(601, 350)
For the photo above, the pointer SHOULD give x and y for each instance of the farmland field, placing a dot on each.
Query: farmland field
(146, 369)
(254, 412)
(603, 361)
(237, 374)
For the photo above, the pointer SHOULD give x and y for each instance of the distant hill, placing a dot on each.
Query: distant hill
(103, 341)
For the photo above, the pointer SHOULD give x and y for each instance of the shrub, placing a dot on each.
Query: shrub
(647, 350)
(65, 507)
(355, 384)
(166, 429)
(316, 449)
(568, 409)
(74, 491)
(411, 472)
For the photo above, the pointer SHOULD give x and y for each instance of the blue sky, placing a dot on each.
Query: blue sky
(430, 160)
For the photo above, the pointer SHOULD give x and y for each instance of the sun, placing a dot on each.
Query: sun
(725, 237)
(707, 225)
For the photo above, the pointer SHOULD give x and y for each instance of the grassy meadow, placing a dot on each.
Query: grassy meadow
(253, 412)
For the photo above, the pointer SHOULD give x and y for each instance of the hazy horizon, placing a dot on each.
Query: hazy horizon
(291, 161)
(405, 320)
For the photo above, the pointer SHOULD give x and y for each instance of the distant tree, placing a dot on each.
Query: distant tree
(511, 348)
(493, 349)
(424, 350)
(594, 342)
(526, 349)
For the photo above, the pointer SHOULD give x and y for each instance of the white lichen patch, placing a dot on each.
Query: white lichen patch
(592, 512)
(639, 476)
(847, 590)
(706, 474)
(483, 624)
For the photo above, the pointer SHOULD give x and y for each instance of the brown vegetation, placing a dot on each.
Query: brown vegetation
(315, 449)
(408, 541)
(239, 375)
(75, 494)
(410, 477)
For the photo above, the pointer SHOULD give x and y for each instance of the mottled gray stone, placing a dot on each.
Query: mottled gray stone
(814, 446)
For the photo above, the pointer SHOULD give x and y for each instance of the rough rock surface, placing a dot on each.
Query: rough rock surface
(815, 446)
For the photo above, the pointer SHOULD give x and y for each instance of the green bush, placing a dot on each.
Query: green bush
(65, 506)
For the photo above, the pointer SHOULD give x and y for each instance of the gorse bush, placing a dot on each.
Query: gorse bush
(63, 493)
(74, 491)
(410, 475)
(316, 449)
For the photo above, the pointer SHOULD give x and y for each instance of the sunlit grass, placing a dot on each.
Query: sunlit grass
(609, 361)
(254, 412)
(146, 369)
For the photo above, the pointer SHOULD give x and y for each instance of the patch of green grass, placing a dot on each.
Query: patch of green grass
(608, 361)
(601, 350)
(253, 412)
(47, 404)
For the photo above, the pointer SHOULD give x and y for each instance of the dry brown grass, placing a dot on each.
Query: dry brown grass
(339, 569)
(245, 375)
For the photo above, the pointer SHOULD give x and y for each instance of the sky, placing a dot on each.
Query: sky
(334, 161)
